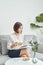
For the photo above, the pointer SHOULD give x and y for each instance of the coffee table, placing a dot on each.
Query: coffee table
(20, 61)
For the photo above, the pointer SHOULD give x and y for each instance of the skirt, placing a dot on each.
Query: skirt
(14, 53)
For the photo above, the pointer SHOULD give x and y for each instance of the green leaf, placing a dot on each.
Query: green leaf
(32, 25)
(39, 18)
(34, 45)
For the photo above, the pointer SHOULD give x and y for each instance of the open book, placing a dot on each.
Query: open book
(24, 46)
(21, 47)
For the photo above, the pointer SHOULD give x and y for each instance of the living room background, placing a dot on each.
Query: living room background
(24, 11)
(18, 10)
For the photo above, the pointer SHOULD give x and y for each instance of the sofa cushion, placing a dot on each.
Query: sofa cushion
(39, 56)
(3, 59)
(3, 41)
(4, 47)
(40, 48)
(0, 47)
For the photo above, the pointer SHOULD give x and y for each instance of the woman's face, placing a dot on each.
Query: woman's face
(20, 29)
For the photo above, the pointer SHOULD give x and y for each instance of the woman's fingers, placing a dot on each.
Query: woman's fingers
(13, 45)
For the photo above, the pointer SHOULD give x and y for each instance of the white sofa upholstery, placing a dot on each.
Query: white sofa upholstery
(4, 58)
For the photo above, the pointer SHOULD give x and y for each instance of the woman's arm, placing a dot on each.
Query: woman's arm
(16, 44)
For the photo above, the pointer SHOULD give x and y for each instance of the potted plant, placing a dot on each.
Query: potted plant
(35, 49)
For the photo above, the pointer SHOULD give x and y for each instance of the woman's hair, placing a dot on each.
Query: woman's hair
(17, 26)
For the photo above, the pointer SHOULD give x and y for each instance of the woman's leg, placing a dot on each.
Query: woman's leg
(24, 53)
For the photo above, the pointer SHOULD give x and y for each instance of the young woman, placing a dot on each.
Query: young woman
(17, 39)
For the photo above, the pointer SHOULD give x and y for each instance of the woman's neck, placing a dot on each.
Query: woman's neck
(17, 34)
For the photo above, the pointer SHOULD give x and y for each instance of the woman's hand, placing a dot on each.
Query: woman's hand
(13, 45)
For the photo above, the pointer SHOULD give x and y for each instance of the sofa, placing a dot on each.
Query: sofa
(3, 47)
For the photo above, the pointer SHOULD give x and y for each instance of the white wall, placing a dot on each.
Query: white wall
(18, 10)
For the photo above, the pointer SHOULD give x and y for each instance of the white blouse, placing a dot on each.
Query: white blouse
(15, 38)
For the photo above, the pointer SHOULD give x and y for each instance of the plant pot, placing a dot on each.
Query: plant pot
(34, 59)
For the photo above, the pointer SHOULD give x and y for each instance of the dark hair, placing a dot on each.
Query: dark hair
(17, 26)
